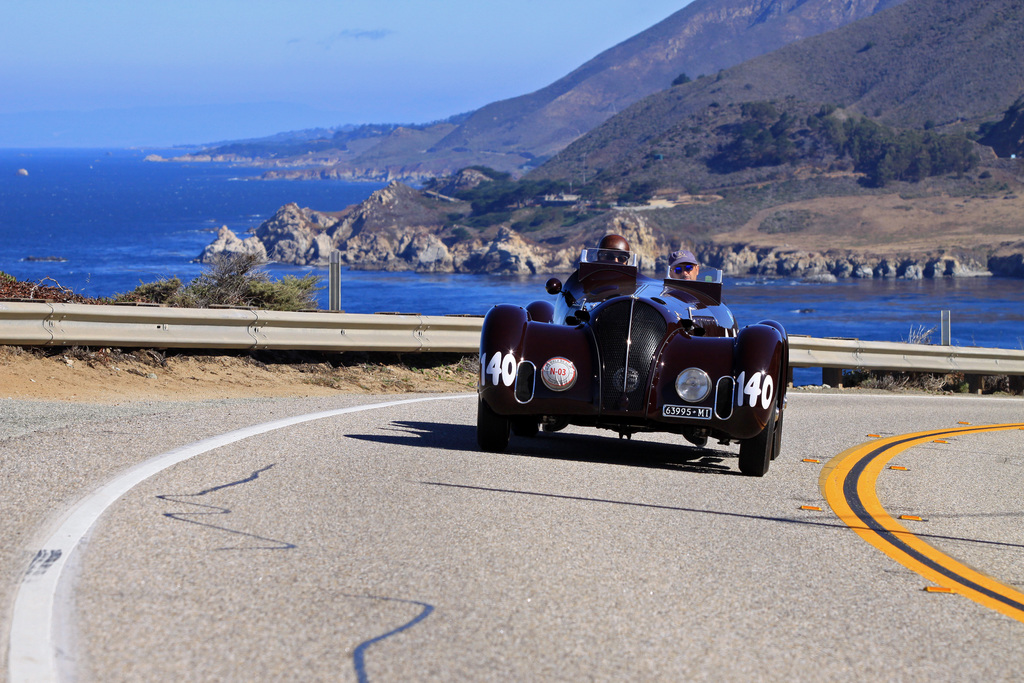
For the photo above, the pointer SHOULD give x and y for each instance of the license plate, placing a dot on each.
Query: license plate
(693, 412)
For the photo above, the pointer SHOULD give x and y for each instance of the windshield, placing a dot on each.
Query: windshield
(609, 256)
(704, 274)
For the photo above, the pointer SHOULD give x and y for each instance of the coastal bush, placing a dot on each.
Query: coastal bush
(232, 280)
(290, 293)
(159, 292)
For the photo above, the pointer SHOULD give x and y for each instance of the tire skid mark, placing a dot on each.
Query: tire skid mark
(359, 654)
(42, 561)
(218, 510)
(848, 484)
(33, 653)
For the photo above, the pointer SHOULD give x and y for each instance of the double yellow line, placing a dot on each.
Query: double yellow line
(848, 484)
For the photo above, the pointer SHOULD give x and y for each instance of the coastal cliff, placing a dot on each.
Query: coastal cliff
(399, 228)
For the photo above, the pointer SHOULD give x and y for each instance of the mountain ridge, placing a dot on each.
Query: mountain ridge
(518, 133)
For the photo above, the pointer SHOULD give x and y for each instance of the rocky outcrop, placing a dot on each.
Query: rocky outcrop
(740, 260)
(228, 243)
(399, 228)
(297, 235)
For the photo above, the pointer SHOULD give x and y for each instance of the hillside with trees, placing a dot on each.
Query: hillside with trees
(941, 66)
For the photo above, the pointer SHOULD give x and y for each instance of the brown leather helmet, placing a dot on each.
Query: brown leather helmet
(614, 242)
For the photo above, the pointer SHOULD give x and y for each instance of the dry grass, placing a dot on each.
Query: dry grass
(119, 375)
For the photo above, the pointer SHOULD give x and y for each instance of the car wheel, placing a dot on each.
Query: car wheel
(525, 426)
(756, 453)
(555, 424)
(492, 430)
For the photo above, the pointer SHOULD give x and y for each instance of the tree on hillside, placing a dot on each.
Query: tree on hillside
(1006, 136)
(760, 138)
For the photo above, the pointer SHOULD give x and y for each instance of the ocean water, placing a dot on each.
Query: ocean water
(117, 220)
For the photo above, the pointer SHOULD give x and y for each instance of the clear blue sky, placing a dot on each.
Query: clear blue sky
(92, 72)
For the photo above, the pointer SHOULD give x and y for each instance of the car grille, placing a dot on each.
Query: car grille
(628, 334)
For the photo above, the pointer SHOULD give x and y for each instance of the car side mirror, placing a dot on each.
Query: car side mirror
(554, 286)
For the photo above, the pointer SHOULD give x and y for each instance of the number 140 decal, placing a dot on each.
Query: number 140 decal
(501, 368)
(759, 386)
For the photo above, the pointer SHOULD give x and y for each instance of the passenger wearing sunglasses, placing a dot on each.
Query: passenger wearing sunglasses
(682, 265)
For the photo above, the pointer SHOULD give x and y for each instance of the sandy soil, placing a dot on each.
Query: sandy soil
(112, 376)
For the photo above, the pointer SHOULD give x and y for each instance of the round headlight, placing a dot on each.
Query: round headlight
(693, 384)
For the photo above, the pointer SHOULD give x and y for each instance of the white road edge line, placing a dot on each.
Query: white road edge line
(33, 653)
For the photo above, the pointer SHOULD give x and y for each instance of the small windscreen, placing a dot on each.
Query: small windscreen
(702, 274)
(610, 256)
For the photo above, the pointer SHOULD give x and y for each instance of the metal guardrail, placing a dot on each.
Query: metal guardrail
(45, 324)
(52, 324)
(810, 352)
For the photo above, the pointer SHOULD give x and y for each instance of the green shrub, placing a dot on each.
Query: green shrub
(232, 280)
(290, 293)
(159, 292)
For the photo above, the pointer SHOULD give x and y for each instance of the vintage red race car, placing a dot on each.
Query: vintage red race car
(622, 351)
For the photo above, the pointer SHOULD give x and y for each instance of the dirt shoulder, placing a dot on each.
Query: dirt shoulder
(113, 376)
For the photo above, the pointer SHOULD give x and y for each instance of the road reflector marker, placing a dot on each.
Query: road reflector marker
(811, 460)
(848, 485)
(940, 441)
(810, 507)
(963, 423)
(912, 517)
(898, 467)
(874, 436)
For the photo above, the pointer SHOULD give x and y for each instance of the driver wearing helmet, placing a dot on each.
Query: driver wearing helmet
(613, 249)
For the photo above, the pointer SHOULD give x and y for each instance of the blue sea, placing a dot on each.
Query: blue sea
(119, 220)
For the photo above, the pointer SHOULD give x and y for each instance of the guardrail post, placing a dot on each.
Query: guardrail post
(832, 377)
(334, 282)
(945, 328)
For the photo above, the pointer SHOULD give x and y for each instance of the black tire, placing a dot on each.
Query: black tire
(756, 453)
(492, 430)
(525, 426)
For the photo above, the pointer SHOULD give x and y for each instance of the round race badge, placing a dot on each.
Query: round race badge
(558, 374)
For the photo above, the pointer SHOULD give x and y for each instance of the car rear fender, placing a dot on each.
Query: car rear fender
(760, 370)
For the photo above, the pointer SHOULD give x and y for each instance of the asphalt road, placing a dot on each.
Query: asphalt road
(382, 545)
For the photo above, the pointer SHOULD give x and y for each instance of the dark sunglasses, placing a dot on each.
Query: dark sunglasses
(680, 269)
(613, 256)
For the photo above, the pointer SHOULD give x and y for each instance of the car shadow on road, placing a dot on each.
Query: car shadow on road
(608, 450)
